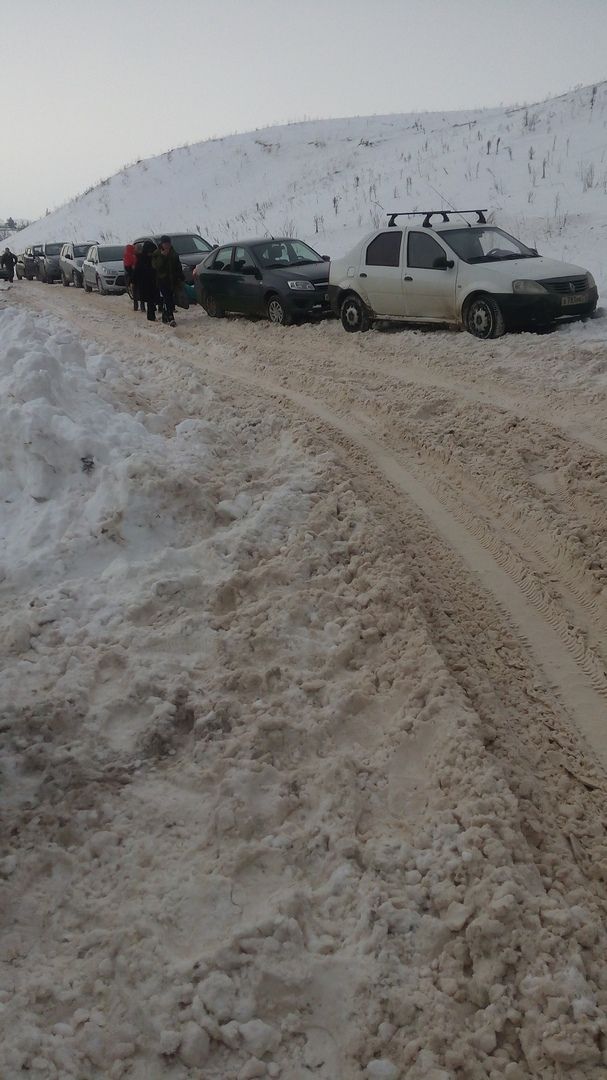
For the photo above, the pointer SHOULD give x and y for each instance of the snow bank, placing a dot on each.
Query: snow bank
(541, 169)
(253, 827)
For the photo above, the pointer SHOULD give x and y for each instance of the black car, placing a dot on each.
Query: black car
(27, 262)
(283, 279)
(190, 247)
(47, 262)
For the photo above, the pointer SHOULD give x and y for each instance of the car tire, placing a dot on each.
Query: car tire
(483, 318)
(277, 313)
(87, 287)
(212, 308)
(77, 280)
(354, 315)
(101, 287)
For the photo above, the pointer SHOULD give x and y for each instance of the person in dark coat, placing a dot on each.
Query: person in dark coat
(169, 273)
(144, 279)
(8, 263)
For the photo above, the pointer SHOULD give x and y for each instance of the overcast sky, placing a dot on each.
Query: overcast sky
(89, 85)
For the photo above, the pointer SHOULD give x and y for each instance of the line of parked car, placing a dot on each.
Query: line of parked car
(469, 274)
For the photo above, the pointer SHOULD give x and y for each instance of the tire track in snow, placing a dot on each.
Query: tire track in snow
(574, 672)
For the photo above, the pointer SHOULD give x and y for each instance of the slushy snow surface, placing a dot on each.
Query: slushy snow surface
(252, 825)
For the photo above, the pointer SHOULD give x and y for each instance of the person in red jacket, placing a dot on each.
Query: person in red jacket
(130, 263)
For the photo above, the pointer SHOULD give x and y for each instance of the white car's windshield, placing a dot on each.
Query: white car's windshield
(111, 254)
(485, 244)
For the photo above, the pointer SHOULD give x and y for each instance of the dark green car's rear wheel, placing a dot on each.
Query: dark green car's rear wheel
(212, 308)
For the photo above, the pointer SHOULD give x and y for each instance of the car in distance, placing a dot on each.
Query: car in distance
(190, 247)
(103, 269)
(472, 275)
(71, 258)
(46, 261)
(281, 278)
(26, 262)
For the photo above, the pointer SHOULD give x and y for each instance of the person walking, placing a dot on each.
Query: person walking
(8, 263)
(130, 262)
(169, 273)
(144, 280)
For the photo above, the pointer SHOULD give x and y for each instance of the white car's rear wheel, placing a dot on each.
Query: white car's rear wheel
(354, 315)
(483, 318)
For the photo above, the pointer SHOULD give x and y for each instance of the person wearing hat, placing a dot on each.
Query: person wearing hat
(169, 273)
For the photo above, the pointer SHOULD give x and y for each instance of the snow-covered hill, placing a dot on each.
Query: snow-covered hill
(540, 168)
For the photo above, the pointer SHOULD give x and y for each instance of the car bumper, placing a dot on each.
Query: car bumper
(521, 310)
(115, 285)
(334, 295)
(308, 303)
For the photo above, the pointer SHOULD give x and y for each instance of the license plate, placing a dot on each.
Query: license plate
(577, 298)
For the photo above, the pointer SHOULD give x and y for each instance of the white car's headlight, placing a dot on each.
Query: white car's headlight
(525, 286)
(301, 285)
(591, 281)
(106, 270)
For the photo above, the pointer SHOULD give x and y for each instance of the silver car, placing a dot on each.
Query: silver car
(70, 262)
(103, 269)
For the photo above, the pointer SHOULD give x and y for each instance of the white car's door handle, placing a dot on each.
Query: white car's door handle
(407, 278)
(362, 275)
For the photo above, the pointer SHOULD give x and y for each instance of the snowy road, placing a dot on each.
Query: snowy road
(372, 817)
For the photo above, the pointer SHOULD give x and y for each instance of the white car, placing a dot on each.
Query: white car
(71, 258)
(471, 275)
(103, 269)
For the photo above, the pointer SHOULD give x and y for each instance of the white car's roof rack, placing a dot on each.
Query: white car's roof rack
(429, 214)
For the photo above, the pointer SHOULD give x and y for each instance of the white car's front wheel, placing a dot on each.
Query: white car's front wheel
(483, 318)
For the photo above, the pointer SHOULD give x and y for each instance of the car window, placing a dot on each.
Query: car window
(423, 251)
(486, 244)
(111, 254)
(190, 245)
(384, 250)
(242, 260)
(303, 253)
(223, 258)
